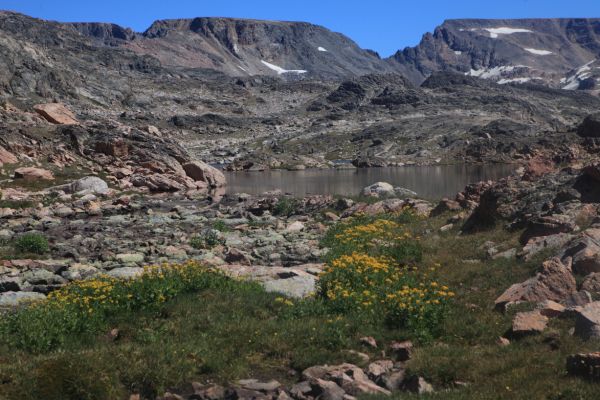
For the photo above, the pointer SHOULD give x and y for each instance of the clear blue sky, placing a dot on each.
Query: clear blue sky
(384, 26)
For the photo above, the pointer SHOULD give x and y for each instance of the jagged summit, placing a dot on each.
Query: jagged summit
(506, 50)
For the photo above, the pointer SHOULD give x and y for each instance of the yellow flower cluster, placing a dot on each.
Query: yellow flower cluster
(155, 285)
(374, 270)
(380, 231)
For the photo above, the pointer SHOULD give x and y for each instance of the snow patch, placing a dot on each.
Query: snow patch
(539, 52)
(280, 70)
(490, 73)
(583, 72)
(513, 80)
(457, 52)
(322, 49)
(494, 32)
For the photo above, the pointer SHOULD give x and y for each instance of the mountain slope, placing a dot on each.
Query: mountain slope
(548, 51)
(242, 47)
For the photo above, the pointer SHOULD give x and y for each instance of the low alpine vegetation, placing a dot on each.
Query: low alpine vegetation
(32, 243)
(374, 269)
(83, 307)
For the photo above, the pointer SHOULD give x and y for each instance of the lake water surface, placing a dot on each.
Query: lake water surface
(430, 182)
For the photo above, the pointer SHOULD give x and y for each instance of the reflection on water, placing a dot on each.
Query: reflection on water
(430, 182)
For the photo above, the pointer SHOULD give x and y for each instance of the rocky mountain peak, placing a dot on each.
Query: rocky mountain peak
(245, 47)
(506, 51)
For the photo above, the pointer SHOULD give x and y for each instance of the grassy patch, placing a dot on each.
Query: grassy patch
(220, 330)
(286, 207)
(223, 331)
(16, 204)
(32, 243)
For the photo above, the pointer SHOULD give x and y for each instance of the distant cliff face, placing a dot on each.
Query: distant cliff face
(242, 47)
(555, 52)
(110, 34)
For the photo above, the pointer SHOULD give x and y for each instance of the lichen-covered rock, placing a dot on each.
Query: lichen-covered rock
(554, 282)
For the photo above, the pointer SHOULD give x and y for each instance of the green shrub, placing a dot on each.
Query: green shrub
(206, 240)
(219, 225)
(34, 243)
(286, 207)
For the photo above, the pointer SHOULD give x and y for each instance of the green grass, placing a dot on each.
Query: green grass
(222, 335)
(213, 335)
(530, 368)
(61, 176)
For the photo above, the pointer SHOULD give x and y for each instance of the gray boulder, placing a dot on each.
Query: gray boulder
(297, 286)
(379, 189)
(587, 322)
(12, 299)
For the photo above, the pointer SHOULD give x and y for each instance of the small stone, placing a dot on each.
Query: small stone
(130, 258)
(402, 351)
(551, 308)
(369, 341)
(529, 322)
(12, 299)
(584, 365)
(265, 387)
(33, 174)
(327, 390)
(379, 368)
(587, 321)
(331, 216)
(126, 272)
(503, 342)
(418, 385)
(113, 334)
(296, 226)
(446, 228)
(56, 113)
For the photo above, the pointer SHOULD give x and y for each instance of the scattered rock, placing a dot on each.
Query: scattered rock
(89, 184)
(200, 171)
(584, 365)
(401, 351)
(130, 258)
(369, 341)
(590, 127)
(33, 174)
(126, 272)
(13, 299)
(254, 384)
(555, 282)
(529, 322)
(587, 321)
(551, 309)
(6, 157)
(379, 189)
(546, 226)
(56, 113)
(417, 384)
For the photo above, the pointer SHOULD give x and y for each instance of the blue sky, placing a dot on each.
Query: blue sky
(384, 26)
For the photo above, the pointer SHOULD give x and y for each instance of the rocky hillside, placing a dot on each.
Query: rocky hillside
(242, 47)
(555, 52)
